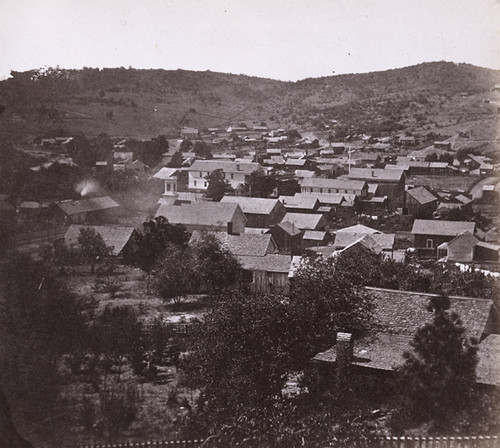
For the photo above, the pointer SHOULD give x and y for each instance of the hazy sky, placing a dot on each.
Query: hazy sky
(282, 39)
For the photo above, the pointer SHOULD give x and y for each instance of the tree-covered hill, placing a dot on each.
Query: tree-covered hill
(145, 103)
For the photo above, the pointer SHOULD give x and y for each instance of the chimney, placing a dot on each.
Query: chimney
(344, 351)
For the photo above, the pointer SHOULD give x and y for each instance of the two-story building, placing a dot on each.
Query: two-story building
(259, 212)
(236, 173)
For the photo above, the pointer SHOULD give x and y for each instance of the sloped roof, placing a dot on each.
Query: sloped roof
(268, 263)
(365, 241)
(488, 367)
(114, 236)
(86, 205)
(358, 228)
(246, 244)
(384, 240)
(327, 199)
(166, 173)
(463, 199)
(304, 201)
(339, 184)
(441, 228)
(403, 312)
(421, 195)
(289, 227)
(304, 173)
(315, 235)
(384, 351)
(256, 206)
(303, 220)
(227, 167)
(376, 174)
(199, 213)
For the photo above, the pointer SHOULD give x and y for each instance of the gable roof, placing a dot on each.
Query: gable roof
(404, 312)
(384, 240)
(376, 174)
(251, 244)
(166, 173)
(209, 214)
(358, 228)
(257, 206)
(334, 184)
(303, 221)
(441, 228)
(289, 227)
(314, 235)
(421, 195)
(327, 199)
(115, 236)
(365, 241)
(268, 263)
(226, 167)
(71, 207)
(304, 201)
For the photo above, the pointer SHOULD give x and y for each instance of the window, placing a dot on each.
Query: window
(232, 176)
(205, 184)
(201, 174)
(429, 244)
(195, 183)
(321, 190)
(168, 187)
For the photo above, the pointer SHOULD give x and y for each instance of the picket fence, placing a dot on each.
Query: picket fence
(375, 442)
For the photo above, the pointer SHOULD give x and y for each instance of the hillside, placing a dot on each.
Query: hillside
(145, 103)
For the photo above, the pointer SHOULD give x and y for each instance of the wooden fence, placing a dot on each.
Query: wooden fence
(375, 442)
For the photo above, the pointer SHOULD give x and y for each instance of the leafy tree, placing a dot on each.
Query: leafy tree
(439, 375)
(157, 234)
(215, 264)
(261, 185)
(239, 358)
(186, 146)
(175, 273)
(92, 247)
(327, 299)
(218, 186)
(176, 161)
(202, 150)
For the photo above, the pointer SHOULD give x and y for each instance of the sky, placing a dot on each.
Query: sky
(280, 39)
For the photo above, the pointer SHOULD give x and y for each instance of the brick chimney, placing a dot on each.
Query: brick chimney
(344, 350)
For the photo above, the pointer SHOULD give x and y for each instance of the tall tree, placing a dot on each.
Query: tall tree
(218, 186)
(92, 247)
(215, 264)
(175, 273)
(439, 375)
(157, 234)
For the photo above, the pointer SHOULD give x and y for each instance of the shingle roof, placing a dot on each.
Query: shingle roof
(227, 167)
(339, 184)
(289, 227)
(441, 228)
(257, 206)
(114, 236)
(303, 220)
(365, 241)
(304, 173)
(358, 228)
(381, 351)
(488, 367)
(403, 312)
(166, 173)
(199, 213)
(246, 244)
(327, 199)
(304, 201)
(375, 174)
(421, 195)
(315, 235)
(268, 263)
(86, 205)
(384, 240)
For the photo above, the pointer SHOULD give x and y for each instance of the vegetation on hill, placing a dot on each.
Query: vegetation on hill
(145, 103)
